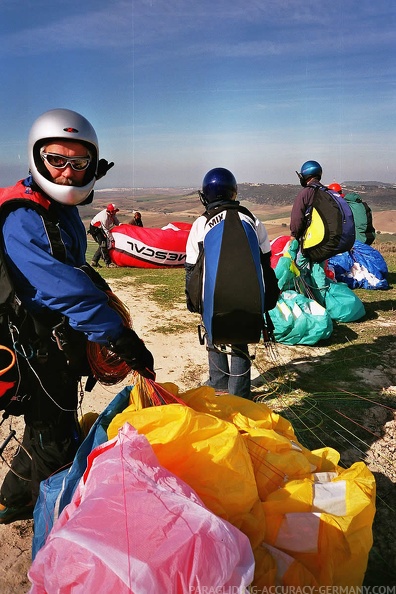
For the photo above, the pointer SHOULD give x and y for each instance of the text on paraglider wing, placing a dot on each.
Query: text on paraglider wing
(150, 253)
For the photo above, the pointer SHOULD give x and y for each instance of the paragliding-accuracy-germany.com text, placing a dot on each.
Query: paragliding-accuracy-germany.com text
(295, 590)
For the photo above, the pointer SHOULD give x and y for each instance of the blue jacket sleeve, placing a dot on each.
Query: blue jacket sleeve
(41, 281)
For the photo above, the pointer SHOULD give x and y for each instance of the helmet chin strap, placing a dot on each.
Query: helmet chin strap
(303, 182)
(203, 199)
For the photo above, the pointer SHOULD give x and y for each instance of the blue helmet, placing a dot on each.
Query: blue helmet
(309, 169)
(218, 184)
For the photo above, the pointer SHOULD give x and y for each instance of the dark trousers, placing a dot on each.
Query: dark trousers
(48, 452)
(52, 435)
(102, 252)
(232, 377)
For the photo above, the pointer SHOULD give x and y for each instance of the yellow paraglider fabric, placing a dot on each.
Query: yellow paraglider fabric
(308, 520)
(315, 233)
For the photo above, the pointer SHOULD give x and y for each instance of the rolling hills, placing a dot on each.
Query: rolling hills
(270, 202)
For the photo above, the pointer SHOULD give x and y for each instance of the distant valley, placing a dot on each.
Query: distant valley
(270, 202)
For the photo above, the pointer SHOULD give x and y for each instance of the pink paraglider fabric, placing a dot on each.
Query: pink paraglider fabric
(132, 526)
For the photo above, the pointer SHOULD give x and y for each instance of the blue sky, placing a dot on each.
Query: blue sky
(176, 87)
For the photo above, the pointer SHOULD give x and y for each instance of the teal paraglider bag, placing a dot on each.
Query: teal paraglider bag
(311, 282)
(342, 304)
(299, 320)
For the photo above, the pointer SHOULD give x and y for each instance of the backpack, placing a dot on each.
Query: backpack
(370, 230)
(330, 229)
(20, 334)
(226, 285)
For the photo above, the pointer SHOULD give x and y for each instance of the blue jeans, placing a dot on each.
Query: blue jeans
(233, 378)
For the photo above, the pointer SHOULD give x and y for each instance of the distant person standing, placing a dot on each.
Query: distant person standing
(309, 176)
(100, 229)
(136, 220)
(321, 220)
(336, 188)
(362, 215)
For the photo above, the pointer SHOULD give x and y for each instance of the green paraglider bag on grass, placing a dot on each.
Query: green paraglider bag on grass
(342, 304)
(299, 320)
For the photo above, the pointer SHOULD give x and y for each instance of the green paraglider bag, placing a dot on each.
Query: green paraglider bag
(342, 304)
(299, 320)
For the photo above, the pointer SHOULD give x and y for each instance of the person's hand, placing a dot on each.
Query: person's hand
(133, 351)
(103, 168)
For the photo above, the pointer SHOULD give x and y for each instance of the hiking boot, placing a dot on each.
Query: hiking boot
(11, 514)
(96, 265)
(111, 265)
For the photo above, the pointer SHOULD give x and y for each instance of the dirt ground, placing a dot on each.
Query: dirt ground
(180, 359)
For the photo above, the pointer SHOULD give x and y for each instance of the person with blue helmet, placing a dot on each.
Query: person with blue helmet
(43, 247)
(219, 191)
(309, 175)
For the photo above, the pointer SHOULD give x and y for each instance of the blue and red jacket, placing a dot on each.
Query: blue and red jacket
(46, 281)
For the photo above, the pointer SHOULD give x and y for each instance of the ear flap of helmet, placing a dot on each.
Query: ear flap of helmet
(302, 180)
(202, 198)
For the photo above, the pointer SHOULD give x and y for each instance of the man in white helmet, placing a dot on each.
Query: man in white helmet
(43, 247)
(100, 229)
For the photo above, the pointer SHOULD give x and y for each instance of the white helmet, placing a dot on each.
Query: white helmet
(63, 124)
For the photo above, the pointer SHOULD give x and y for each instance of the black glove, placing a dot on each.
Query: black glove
(103, 167)
(133, 351)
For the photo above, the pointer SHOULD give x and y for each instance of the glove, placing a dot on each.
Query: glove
(103, 168)
(133, 351)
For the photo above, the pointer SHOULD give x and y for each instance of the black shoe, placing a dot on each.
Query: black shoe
(96, 265)
(11, 514)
